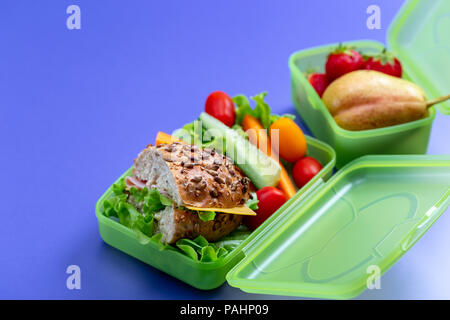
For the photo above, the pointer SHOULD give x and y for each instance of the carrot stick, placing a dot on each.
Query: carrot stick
(258, 137)
(162, 138)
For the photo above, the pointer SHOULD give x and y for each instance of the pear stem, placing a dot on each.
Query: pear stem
(438, 100)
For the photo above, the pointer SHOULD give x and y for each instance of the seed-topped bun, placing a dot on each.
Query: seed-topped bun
(192, 176)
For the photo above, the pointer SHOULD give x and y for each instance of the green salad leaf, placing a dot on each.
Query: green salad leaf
(153, 201)
(203, 215)
(188, 250)
(206, 215)
(200, 249)
(221, 252)
(128, 215)
(119, 188)
(201, 241)
(261, 111)
(252, 203)
(192, 243)
(242, 108)
(120, 206)
(208, 254)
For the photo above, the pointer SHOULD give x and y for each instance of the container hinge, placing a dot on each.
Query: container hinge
(427, 220)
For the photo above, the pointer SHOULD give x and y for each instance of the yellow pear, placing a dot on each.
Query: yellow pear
(366, 99)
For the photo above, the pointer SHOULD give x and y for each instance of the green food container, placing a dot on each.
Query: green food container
(423, 48)
(330, 243)
(326, 241)
(202, 275)
(329, 239)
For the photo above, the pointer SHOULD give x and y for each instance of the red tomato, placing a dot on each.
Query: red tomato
(221, 106)
(270, 200)
(304, 170)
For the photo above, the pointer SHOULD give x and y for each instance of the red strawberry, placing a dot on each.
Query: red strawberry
(384, 62)
(341, 61)
(319, 81)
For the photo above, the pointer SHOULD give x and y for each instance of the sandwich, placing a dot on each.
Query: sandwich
(199, 182)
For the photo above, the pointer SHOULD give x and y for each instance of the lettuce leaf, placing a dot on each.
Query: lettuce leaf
(129, 216)
(252, 203)
(119, 188)
(206, 215)
(142, 223)
(191, 243)
(200, 249)
(203, 215)
(153, 201)
(221, 252)
(201, 241)
(208, 254)
(261, 111)
(242, 108)
(188, 250)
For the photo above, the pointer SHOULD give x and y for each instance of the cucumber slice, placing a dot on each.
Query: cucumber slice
(262, 170)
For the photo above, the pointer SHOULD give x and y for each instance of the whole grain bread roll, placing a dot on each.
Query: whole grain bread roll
(192, 176)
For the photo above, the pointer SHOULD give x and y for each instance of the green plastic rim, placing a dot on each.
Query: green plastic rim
(405, 39)
(322, 247)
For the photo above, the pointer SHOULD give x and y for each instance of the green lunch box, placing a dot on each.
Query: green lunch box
(329, 238)
(424, 50)
(326, 240)
(202, 275)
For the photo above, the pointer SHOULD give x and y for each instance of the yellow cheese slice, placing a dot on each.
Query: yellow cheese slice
(246, 211)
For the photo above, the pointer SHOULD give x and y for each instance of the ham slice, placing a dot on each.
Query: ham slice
(134, 182)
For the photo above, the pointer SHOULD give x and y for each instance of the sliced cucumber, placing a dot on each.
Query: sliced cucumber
(262, 170)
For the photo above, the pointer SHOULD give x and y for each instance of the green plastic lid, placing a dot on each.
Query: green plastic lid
(420, 37)
(334, 239)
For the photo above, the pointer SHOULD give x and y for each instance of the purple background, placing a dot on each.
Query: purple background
(76, 106)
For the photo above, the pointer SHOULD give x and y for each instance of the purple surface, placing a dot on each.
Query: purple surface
(77, 106)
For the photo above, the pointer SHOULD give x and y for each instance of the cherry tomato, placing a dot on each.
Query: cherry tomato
(304, 170)
(270, 200)
(221, 106)
(291, 140)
